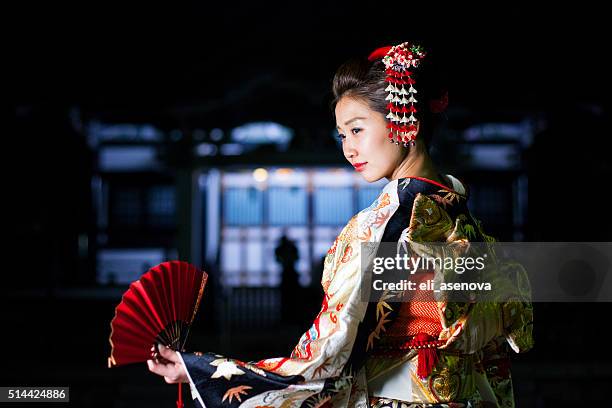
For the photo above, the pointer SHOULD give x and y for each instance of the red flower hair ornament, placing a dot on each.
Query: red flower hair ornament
(399, 61)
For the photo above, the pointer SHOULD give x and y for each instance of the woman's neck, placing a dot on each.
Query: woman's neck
(417, 163)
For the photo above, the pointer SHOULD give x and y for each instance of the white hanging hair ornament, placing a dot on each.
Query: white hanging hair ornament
(398, 59)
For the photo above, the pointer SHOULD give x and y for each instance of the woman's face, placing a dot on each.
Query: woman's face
(365, 141)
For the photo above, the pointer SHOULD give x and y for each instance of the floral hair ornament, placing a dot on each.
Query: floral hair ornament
(398, 60)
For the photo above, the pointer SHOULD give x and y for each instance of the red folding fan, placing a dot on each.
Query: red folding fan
(157, 308)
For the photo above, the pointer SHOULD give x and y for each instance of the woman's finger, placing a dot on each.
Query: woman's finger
(171, 380)
(157, 358)
(165, 370)
(168, 354)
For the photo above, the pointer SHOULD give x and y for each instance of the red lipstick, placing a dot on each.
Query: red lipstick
(359, 166)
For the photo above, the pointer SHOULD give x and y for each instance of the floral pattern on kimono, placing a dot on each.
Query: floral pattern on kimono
(328, 367)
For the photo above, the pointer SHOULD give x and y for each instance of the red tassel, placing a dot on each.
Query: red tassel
(428, 356)
(179, 402)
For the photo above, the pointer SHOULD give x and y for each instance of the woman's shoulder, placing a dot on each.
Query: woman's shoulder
(449, 185)
(452, 196)
(400, 196)
(441, 211)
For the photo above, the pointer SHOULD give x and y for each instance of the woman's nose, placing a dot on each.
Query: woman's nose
(350, 155)
(349, 150)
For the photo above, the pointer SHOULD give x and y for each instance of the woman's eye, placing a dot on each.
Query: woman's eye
(354, 131)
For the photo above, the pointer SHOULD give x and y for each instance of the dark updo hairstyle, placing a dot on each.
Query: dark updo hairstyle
(365, 80)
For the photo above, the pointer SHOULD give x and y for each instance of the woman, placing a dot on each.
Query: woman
(381, 353)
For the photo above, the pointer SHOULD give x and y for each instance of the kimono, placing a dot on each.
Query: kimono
(335, 362)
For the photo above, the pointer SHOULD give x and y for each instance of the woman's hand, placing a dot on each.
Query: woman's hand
(168, 365)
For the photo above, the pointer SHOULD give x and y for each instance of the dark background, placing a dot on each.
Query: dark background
(182, 67)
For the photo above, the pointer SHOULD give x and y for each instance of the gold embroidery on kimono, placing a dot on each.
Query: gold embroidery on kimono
(334, 364)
